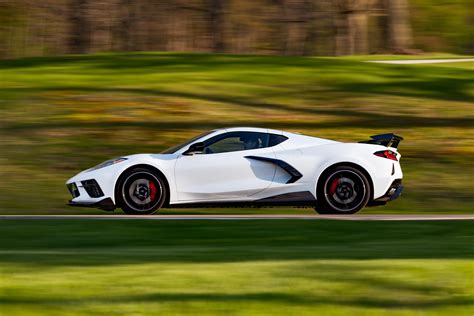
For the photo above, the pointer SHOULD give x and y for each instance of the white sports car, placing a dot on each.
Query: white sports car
(244, 166)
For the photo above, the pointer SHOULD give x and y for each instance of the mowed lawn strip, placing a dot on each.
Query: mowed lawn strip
(257, 267)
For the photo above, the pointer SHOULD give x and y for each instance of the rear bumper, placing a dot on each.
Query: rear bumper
(106, 204)
(393, 192)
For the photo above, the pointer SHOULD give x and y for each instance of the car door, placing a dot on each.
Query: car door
(222, 171)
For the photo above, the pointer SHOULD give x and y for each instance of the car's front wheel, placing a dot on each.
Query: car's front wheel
(342, 190)
(141, 191)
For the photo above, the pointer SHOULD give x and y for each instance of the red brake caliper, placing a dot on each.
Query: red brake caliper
(333, 187)
(152, 187)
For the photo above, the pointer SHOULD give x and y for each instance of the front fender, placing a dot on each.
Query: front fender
(107, 177)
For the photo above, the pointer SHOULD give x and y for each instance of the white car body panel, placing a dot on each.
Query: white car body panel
(214, 180)
(231, 176)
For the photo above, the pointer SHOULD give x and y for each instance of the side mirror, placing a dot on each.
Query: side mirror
(196, 148)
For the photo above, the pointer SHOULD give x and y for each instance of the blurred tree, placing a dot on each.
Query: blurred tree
(342, 27)
(216, 23)
(282, 37)
(310, 36)
(399, 31)
(284, 27)
(10, 24)
(79, 35)
(125, 26)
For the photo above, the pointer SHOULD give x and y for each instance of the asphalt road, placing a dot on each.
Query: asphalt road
(359, 217)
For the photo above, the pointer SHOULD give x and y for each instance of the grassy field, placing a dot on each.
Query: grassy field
(60, 115)
(273, 267)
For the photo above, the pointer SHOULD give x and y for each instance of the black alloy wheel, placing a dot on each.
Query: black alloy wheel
(141, 191)
(342, 190)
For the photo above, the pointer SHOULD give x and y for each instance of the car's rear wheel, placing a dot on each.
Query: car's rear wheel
(342, 190)
(141, 191)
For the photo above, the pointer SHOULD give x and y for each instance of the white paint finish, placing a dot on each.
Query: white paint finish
(232, 177)
(421, 61)
(107, 177)
(223, 176)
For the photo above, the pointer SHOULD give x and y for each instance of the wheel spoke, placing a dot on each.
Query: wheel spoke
(346, 190)
(141, 192)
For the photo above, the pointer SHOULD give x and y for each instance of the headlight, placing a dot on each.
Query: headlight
(108, 163)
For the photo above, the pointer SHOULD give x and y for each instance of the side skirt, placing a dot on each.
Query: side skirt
(299, 199)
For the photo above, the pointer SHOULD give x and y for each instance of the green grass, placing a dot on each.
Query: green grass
(59, 115)
(272, 267)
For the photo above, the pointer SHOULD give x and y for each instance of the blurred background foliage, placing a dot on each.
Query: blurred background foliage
(276, 27)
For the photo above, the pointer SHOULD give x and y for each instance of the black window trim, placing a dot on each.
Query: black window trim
(221, 136)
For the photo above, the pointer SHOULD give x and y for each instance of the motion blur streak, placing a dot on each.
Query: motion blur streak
(282, 27)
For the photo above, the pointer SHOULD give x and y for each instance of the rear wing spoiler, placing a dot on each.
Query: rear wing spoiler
(388, 140)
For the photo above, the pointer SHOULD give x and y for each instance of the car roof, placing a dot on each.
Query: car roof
(251, 129)
(297, 139)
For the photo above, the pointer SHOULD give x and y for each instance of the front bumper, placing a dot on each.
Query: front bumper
(105, 204)
(88, 193)
(94, 188)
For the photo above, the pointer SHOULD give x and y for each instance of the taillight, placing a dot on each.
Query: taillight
(386, 154)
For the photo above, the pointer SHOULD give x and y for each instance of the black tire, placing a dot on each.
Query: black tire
(141, 191)
(342, 190)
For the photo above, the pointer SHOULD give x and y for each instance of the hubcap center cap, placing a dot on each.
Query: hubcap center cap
(142, 192)
(344, 191)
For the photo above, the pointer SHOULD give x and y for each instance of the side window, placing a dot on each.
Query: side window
(224, 145)
(236, 141)
(276, 139)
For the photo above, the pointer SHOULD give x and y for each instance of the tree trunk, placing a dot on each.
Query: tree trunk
(216, 25)
(127, 18)
(283, 29)
(79, 38)
(399, 30)
(342, 29)
(310, 36)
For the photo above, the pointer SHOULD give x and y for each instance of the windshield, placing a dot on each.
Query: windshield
(174, 149)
